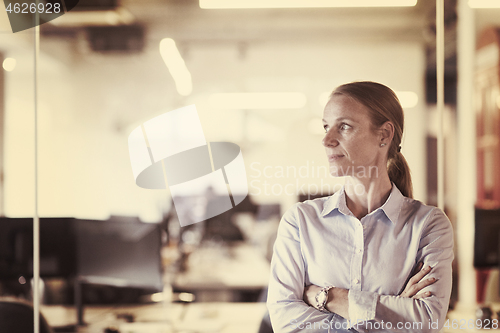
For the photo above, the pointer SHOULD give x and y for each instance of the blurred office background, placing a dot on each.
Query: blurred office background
(102, 73)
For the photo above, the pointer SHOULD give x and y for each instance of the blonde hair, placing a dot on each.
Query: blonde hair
(383, 106)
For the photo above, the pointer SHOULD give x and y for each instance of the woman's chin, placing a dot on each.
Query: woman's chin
(335, 171)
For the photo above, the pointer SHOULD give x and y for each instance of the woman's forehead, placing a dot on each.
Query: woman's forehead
(341, 106)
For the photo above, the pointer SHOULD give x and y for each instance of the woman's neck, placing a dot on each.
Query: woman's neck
(364, 195)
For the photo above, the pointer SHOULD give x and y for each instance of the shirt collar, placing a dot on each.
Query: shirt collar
(334, 202)
(391, 207)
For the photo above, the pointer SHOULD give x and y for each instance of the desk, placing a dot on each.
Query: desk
(192, 317)
(214, 273)
(105, 316)
(168, 318)
(223, 317)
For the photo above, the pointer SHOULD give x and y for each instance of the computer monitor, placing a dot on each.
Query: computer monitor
(121, 252)
(57, 249)
(486, 238)
(304, 197)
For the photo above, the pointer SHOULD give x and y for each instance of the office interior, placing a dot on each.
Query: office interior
(100, 71)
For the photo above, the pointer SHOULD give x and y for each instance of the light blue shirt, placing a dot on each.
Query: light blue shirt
(321, 242)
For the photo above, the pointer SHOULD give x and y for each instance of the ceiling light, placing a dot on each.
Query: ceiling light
(484, 3)
(218, 4)
(252, 101)
(9, 64)
(75, 18)
(176, 66)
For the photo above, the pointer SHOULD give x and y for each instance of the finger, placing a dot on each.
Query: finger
(417, 268)
(414, 289)
(422, 284)
(411, 279)
(422, 295)
(420, 274)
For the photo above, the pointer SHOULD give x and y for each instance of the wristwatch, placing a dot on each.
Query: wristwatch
(322, 298)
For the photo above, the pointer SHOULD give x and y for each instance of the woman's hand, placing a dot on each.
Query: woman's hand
(310, 293)
(417, 283)
(414, 285)
(337, 301)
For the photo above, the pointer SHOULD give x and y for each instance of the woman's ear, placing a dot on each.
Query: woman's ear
(387, 132)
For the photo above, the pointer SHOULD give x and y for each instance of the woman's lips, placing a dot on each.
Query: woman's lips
(335, 157)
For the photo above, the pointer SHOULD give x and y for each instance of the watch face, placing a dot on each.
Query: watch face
(321, 297)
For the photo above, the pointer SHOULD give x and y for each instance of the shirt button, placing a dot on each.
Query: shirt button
(355, 281)
(359, 250)
(364, 226)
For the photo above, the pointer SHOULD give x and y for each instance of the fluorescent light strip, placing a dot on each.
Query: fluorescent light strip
(408, 99)
(219, 4)
(94, 18)
(484, 3)
(253, 101)
(176, 66)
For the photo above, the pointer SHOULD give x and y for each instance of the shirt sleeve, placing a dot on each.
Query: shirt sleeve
(287, 310)
(368, 310)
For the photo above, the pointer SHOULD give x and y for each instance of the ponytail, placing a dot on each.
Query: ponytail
(399, 174)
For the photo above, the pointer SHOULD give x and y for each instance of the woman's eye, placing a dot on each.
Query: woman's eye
(326, 128)
(344, 127)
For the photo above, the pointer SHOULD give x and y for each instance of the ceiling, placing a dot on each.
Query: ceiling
(186, 23)
(183, 20)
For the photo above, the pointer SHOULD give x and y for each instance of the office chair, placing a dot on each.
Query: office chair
(16, 316)
(265, 324)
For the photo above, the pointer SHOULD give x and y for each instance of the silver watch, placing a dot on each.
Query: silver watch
(322, 298)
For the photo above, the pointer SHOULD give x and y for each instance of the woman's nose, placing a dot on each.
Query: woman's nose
(329, 140)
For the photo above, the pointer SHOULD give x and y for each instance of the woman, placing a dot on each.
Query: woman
(343, 263)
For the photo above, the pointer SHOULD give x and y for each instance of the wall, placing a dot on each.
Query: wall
(89, 103)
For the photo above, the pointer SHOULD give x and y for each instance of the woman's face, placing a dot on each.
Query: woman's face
(352, 144)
